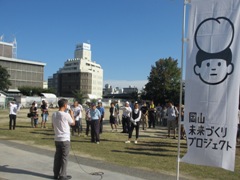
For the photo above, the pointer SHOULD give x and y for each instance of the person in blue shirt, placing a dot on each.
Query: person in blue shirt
(95, 121)
(101, 109)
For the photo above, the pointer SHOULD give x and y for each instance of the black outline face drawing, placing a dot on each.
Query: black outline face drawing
(214, 67)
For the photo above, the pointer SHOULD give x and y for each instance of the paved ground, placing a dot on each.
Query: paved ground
(24, 162)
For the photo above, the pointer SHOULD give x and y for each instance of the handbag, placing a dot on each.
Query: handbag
(29, 115)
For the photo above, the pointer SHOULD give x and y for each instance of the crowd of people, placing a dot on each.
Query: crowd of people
(69, 119)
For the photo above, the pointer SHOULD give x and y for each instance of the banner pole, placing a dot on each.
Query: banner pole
(181, 88)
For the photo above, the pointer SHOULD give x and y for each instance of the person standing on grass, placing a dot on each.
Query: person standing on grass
(151, 115)
(144, 118)
(95, 122)
(34, 115)
(44, 109)
(88, 117)
(158, 114)
(13, 108)
(76, 114)
(102, 111)
(117, 115)
(113, 117)
(126, 117)
(61, 122)
(80, 116)
(171, 119)
(135, 118)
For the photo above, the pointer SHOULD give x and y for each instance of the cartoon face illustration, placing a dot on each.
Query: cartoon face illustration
(213, 71)
(215, 66)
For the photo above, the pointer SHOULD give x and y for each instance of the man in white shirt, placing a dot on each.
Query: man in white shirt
(13, 108)
(77, 113)
(61, 123)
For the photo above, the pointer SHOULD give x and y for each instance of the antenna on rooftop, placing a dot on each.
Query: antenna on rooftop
(1, 37)
(14, 50)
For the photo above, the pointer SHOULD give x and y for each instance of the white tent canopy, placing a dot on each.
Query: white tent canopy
(49, 95)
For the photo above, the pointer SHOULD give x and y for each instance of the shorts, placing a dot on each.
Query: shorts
(113, 120)
(36, 121)
(45, 117)
(171, 123)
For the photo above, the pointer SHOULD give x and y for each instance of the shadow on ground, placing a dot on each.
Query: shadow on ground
(7, 169)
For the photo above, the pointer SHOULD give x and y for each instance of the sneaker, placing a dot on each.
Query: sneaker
(127, 142)
(112, 130)
(135, 142)
(97, 142)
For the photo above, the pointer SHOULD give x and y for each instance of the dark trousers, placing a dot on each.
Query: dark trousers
(88, 123)
(61, 158)
(131, 130)
(101, 124)
(151, 117)
(126, 124)
(95, 131)
(12, 121)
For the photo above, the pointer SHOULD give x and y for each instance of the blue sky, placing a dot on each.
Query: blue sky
(127, 36)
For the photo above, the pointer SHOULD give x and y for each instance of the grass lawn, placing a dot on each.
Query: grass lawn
(153, 152)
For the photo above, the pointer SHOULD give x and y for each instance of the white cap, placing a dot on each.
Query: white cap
(127, 102)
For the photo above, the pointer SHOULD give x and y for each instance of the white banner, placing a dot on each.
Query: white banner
(212, 82)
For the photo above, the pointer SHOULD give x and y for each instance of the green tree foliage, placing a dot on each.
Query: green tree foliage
(79, 96)
(34, 91)
(163, 82)
(4, 79)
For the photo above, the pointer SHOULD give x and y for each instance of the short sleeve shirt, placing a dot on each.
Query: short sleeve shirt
(61, 123)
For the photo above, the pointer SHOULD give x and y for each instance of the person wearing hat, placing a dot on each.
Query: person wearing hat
(135, 121)
(102, 111)
(95, 122)
(126, 117)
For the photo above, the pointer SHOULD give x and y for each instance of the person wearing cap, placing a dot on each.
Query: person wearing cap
(95, 122)
(135, 121)
(126, 117)
(102, 111)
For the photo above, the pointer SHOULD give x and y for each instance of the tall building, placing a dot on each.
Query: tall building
(79, 73)
(22, 72)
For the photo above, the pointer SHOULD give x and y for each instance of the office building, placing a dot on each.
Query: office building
(22, 72)
(79, 73)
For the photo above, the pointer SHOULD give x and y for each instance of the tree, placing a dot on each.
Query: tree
(164, 81)
(79, 96)
(4, 79)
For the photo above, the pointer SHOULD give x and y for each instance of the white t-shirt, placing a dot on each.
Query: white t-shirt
(126, 111)
(61, 121)
(76, 112)
(13, 109)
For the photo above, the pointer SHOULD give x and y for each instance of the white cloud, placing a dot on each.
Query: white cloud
(126, 83)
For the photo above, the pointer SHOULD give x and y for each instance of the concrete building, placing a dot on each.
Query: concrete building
(79, 73)
(22, 72)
